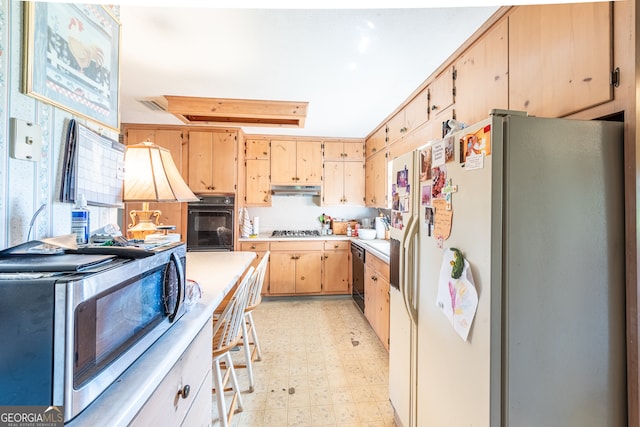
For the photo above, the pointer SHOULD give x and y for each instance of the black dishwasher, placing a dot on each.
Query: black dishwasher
(357, 260)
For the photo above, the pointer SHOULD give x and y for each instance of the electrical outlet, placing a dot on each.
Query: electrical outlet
(26, 140)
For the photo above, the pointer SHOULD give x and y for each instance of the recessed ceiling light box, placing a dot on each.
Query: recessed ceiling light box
(238, 112)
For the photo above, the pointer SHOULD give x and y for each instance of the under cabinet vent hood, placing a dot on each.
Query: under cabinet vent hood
(295, 190)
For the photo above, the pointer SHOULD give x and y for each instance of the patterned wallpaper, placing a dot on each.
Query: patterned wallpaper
(27, 185)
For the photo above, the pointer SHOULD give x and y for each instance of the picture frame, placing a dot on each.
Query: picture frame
(72, 59)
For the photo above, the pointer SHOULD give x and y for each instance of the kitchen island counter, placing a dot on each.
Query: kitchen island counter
(216, 273)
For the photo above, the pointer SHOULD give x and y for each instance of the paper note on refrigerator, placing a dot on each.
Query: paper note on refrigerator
(442, 219)
(457, 297)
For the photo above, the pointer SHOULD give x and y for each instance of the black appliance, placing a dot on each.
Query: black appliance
(210, 224)
(357, 267)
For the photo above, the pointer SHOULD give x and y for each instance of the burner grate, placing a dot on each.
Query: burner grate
(295, 233)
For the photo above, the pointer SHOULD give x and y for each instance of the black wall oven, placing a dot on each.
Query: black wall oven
(210, 225)
(73, 333)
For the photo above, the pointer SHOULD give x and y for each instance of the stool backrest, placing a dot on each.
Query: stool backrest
(255, 291)
(227, 327)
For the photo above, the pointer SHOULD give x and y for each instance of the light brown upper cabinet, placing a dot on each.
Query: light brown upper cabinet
(257, 172)
(343, 183)
(441, 92)
(296, 162)
(560, 58)
(343, 150)
(409, 118)
(376, 142)
(343, 180)
(375, 186)
(482, 76)
(212, 161)
(172, 140)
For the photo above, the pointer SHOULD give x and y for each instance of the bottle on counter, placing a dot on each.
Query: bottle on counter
(355, 230)
(80, 221)
(349, 230)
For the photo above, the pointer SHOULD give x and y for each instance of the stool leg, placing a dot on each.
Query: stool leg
(217, 380)
(254, 333)
(247, 353)
(234, 383)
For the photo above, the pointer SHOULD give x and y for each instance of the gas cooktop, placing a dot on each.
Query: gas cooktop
(295, 233)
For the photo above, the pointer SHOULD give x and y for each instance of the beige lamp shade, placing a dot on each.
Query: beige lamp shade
(151, 176)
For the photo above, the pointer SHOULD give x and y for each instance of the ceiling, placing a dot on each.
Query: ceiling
(353, 66)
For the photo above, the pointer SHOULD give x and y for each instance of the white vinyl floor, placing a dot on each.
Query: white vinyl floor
(322, 365)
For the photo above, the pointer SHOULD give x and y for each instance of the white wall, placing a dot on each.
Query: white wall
(26, 185)
(301, 213)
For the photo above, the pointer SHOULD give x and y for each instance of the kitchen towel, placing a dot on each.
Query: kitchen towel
(245, 222)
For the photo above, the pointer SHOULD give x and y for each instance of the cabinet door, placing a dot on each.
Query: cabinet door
(576, 39)
(283, 162)
(200, 155)
(308, 272)
(376, 142)
(333, 150)
(417, 111)
(353, 183)
(396, 127)
(441, 93)
(258, 184)
(382, 317)
(212, 161)
(166, 406)
(333, 187)
(354, 151)
(171, 213)
(482, 80)
(282, 273)
(223, 163)
(257, 149)
(309, 162)
(370, 296)
(260, 249)
(336, 272)
(376, 181)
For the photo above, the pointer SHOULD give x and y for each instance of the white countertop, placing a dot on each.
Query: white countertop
(216, 273)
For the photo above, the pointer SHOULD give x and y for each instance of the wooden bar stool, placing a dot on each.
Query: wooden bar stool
(227, 329)
(248, 326)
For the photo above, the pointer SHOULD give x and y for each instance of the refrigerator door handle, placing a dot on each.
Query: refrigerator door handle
(410, 274)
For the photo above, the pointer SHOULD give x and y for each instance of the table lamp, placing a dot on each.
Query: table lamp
(151, 176)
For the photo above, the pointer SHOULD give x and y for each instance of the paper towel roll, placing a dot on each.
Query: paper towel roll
(256, 225)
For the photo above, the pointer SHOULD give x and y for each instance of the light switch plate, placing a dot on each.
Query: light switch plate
(26, 140)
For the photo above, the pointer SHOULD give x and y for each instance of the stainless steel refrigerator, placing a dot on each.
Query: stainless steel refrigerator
(536, 337)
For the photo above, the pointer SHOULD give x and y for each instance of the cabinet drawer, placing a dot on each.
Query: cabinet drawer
(298, 245)
(337, 245)
(166, 406)
(254, 246)
(377, 264)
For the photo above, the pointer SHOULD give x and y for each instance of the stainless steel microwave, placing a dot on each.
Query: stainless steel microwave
(70, 334)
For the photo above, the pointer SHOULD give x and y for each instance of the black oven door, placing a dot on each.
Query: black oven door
(210, 228)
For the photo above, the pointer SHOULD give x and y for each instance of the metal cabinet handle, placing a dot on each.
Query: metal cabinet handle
(184, 391)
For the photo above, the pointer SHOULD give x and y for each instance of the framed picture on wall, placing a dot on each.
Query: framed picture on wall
(72, 59)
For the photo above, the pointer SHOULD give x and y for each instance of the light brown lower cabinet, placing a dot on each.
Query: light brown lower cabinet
(376, 294)
(260, 248)
(295, 268)
(183, 398)
(336, 271)
(304, 266)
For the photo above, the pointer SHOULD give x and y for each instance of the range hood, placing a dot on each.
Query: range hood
(295, 190)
